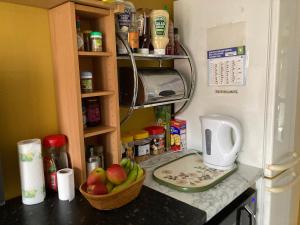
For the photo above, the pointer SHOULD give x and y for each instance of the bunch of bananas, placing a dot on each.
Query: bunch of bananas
(134, 172)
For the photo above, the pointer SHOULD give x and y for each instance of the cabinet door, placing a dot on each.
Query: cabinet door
(281, 199)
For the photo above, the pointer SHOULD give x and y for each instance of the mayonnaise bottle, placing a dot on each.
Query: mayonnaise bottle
(159, 22)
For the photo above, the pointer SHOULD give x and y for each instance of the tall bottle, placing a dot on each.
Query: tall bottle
(159, 20)
(133, 33)
(145, 38)
(93, 160)
(80, 41)
(177, 48)
(170, 46)
(122, 24)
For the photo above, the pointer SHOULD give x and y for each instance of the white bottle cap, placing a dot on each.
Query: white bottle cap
(159, 51)
(143, 51)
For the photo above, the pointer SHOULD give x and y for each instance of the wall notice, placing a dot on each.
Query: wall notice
(226, 67)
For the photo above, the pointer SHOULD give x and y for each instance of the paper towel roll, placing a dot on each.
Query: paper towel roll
(65, 184)
(31, 171)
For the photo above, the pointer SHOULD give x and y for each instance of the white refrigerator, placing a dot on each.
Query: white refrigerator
(260, 88)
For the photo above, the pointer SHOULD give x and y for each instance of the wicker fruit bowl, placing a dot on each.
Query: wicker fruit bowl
(114, 200)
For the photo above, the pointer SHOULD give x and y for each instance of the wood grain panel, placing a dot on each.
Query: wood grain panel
(68, 96)
(48, 4)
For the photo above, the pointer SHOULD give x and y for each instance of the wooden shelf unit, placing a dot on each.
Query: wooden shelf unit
(68, 63)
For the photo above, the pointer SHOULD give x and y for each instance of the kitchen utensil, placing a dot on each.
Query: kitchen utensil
(221, 140)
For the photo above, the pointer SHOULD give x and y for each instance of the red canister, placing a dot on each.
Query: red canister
(55, 147)
(157, 134)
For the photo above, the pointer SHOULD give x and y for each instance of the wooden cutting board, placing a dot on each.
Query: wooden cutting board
(189, 174)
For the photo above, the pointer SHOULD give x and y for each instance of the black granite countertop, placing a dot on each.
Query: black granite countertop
(149, 208)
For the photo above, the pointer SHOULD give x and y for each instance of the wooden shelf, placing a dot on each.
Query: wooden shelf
(97, 94)
(89, 11)
(94, 54)
(68, 63)
(93, 131)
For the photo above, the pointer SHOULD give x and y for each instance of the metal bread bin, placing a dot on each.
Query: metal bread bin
(155, 85)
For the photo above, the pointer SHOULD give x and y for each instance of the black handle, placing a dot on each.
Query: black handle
(251, 216)
(167, 93)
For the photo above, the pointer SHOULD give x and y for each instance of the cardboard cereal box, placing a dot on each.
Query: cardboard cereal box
(178, 135)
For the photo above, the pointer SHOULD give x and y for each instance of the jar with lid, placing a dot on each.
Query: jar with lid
(157, 134)
(96, 41)
(86, 81)
(92, 112)
(56, 158)
(128, 146)
(141, 145)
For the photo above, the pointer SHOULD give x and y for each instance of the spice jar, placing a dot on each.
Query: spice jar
(128, 146)
(55, 159)
(96, 41)
(86, 81)
(157, 134)
(141, 146)
(86, 40)
(92, 112)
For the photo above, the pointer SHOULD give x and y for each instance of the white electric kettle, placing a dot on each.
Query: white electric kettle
(221, 140)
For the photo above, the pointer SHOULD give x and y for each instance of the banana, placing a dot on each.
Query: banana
(140, 172)
(124, 162)
(130, 179)
(128, 164)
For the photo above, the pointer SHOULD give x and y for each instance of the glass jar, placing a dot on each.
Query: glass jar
(56, 158)
(86, 81)
(92, 112)
(96, 41)
(128, 146)
(141, 145)
(157, 134)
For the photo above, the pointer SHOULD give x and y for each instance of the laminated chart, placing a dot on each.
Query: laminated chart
(226, 67)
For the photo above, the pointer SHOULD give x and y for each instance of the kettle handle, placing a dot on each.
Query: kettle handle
(235, 125)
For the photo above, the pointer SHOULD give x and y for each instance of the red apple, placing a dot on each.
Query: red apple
(97, 189)
(116, 174)
(96, 176)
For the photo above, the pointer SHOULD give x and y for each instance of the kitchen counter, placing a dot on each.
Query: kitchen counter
(213, 200)
(156, 204)
(150, 207)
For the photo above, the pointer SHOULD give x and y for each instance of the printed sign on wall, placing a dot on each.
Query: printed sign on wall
(226, 67)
